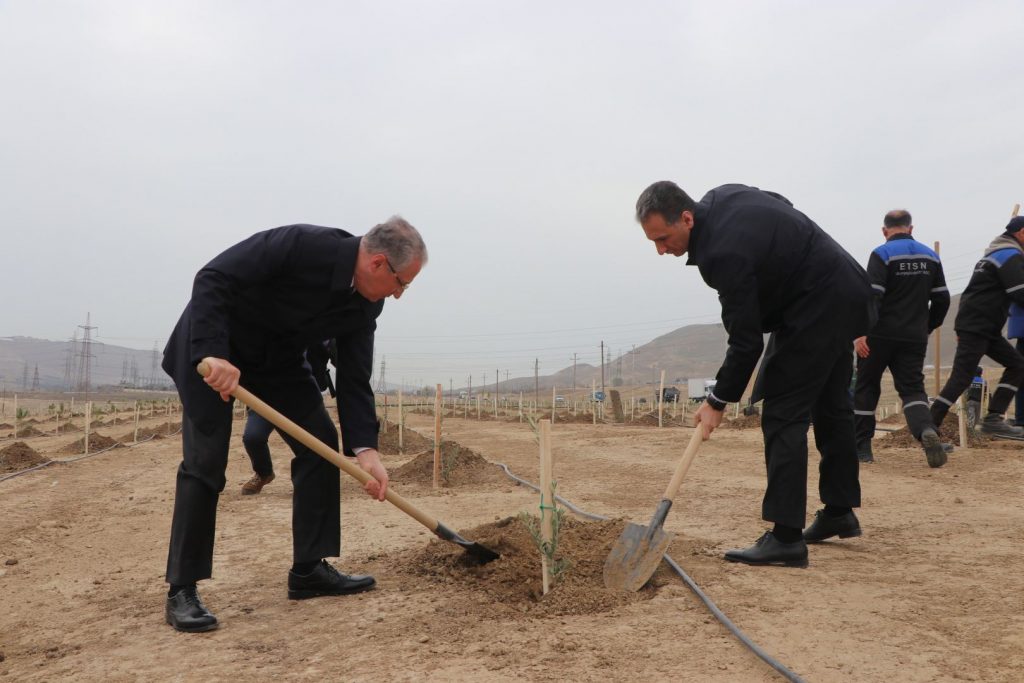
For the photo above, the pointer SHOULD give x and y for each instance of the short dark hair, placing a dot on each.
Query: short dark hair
(666, 198)
(898, 218)
(1015, 225)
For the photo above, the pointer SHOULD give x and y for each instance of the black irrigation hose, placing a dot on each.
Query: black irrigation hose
(712, 607)
(80, 457)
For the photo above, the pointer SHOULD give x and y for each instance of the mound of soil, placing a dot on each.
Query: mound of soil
(743, 422)
(97, 442)
(19, 456)
(4, 425)
(950, 433)
(146, 433)
(513, 581)
(651, 420)
(27, 431)
(412, 442)
(69, 427)
(894, 419)
(459, 467)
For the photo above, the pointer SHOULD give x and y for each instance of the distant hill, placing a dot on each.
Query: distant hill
(696, 351)
(690, 351)
(59, 365)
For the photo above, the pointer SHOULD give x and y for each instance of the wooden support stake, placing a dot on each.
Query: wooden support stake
(16, 420)
(478, 407)
(661, 399)
(962, 420)
(552, 405)
(135, 438)
(547, 503)
(437, 438)
(520, 406)
(593, 399)
(168, 418)
(401, 421)
(88, 424)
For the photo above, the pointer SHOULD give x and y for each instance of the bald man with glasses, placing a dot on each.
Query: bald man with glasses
(255, 309)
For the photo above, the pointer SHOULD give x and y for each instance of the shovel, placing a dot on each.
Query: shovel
(638, 551)
(478, 552)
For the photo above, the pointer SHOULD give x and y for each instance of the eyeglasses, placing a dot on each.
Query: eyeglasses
(403, 285)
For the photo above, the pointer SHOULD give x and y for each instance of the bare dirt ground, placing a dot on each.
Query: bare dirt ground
(933, 591)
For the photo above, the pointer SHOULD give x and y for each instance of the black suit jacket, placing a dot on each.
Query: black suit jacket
(260, 304)
(774, 270)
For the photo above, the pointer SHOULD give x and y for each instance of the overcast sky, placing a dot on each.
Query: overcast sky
(138, 139)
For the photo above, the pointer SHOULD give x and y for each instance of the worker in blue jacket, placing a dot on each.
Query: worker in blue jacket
(777, 272)
(997, 281)
(1015, 330)
(254, 311)
(910, 288)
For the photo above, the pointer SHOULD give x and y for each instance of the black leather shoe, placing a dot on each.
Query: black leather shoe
(326, 580)
(824, 527)
(186, 612)
(769, 550)
(933, 449)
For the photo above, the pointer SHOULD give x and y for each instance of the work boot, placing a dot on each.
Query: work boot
(256, 484)
(864, 452)
(996, 425)
(933, 449)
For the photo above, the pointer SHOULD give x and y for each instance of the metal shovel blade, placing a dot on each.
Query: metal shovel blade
(637, 554)
(480, 553)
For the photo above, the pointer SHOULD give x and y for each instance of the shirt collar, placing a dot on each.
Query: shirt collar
(344, 277)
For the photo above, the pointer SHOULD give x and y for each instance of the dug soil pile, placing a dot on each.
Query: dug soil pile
(950, 433)
(28, 430)
(97, 442)
(459, 467)
(894, 419)
(412, 442)
(19, 456)
(512, 583)
(743, 422)
(651, 420)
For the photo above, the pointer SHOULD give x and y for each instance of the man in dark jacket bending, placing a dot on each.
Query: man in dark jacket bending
(998, 280)
(255, 309)
(776, 271)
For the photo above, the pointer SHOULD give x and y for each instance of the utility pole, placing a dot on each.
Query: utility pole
(35, 379)
(24, 376)
(85, 356)
(154, 363)
(69, 362)
(536, 381)
(381, 384)
(574, 377)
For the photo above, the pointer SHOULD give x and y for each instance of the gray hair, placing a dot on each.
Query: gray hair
(398, 241)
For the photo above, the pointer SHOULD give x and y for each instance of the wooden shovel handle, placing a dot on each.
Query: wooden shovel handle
(684, 463)
(323, 450)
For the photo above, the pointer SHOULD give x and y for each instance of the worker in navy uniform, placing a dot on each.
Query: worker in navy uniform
(1015, 330)
(776, 271)
(254, 311)
(913, 299)
(998, 280)
(256, 436)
